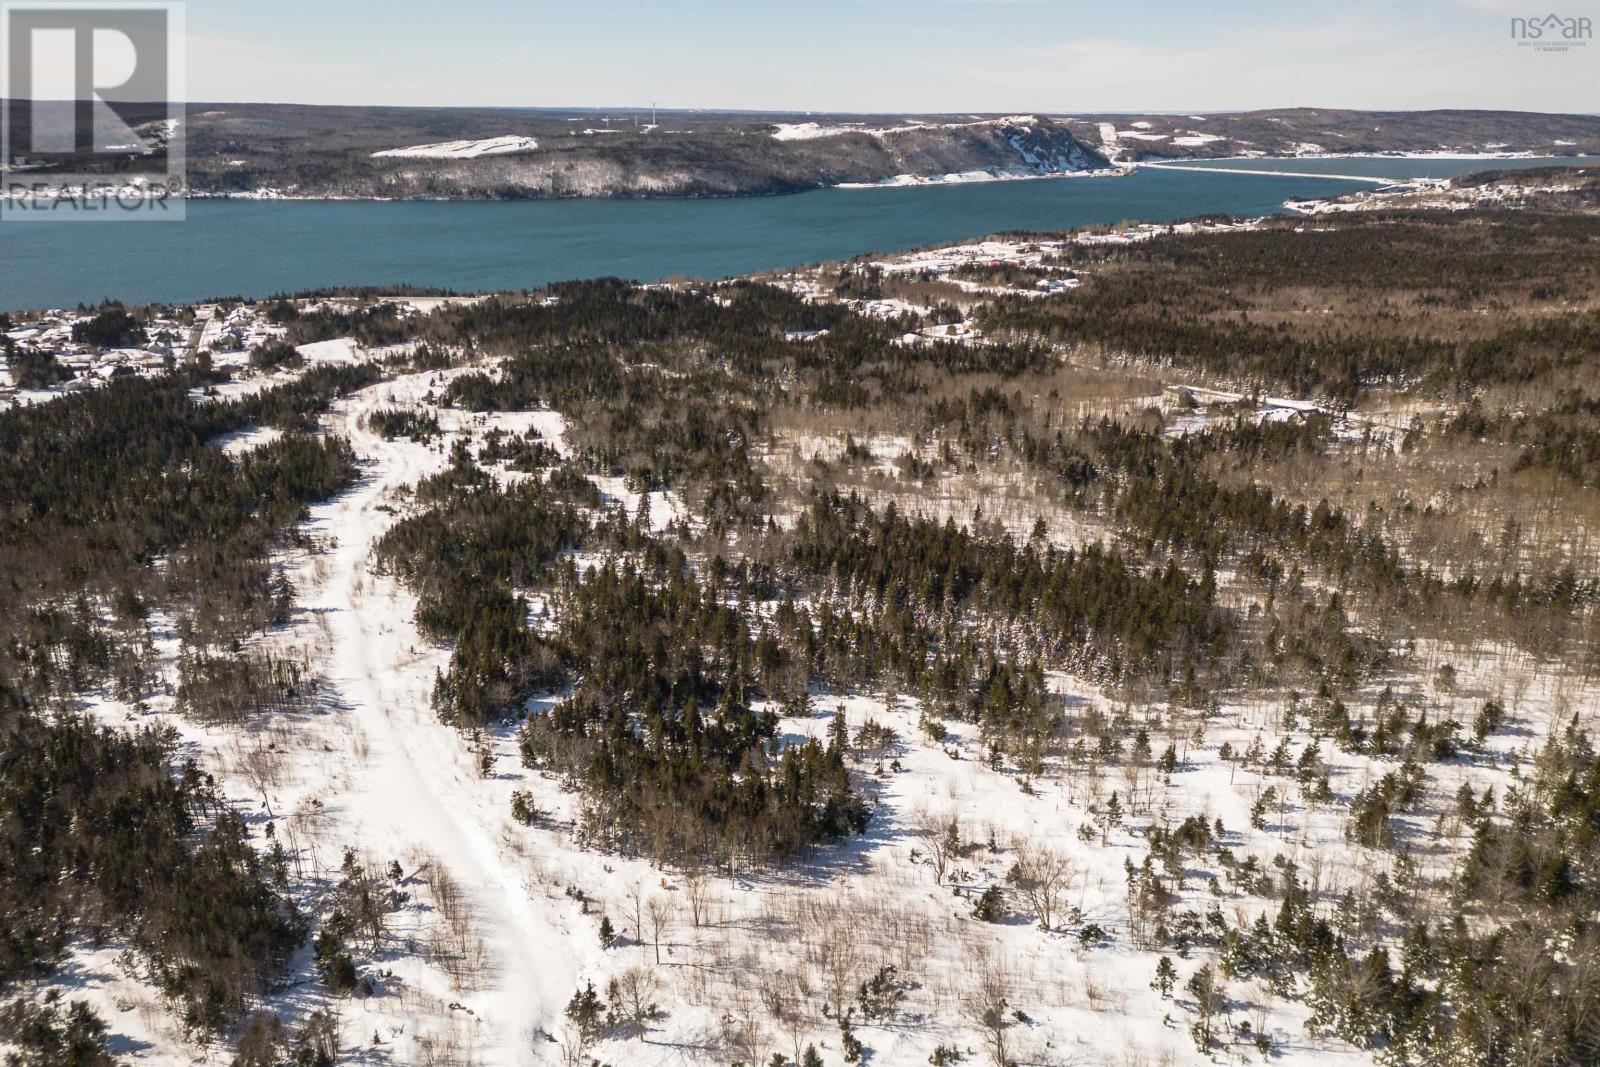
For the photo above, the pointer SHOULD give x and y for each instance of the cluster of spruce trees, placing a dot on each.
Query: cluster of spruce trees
(100, 836)
(1209, 302)
(468, 557)
(104, 832)
(663, 736)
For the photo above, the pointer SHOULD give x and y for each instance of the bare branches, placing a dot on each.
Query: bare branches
(986, 1009)
(940, 838)
(1044, 877)
(662, 913)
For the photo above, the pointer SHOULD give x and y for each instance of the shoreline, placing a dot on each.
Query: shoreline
(1427, 154)
(1118, 169)
(653, 262)
(981, 177)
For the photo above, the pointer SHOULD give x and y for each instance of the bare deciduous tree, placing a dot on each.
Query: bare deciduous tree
(695, 884)
(786, 995)
(744, 1032)
(661, 912)
(838, 958)
(940, 838)
(574, 1045)
(1044, 877)
(633, 995)
(633, 911)
(986, 1009)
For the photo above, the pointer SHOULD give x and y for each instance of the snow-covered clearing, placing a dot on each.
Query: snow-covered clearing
(664, 507)
(417, 789)
(488, 146)
(247, 440)
(810, 131)
(339, 350)
(1110, 141)
(371, 768)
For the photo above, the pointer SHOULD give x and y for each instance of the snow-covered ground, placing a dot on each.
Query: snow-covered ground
(481, 973)
(488, 146)
(416, 789)
(810, 131)
(246, 441)
(1440, 194)
(374, 770)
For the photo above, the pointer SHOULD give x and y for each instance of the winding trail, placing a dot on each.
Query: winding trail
(417, 788)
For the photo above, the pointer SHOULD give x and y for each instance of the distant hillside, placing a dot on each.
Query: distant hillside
(500, 153)
(1318, 131)
(497, 154)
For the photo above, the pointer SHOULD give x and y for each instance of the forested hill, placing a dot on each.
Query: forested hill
(1332, 131)
(511, 153)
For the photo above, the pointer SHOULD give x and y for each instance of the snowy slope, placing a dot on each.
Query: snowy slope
(489, 146)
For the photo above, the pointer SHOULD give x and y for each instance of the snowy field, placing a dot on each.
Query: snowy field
(488, 146)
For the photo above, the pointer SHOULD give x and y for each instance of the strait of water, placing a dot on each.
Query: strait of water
(258, 248)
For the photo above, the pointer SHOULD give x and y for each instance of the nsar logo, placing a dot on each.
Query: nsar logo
(1553, 33)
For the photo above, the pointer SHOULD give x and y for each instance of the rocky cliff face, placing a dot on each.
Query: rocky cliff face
(1017, 146)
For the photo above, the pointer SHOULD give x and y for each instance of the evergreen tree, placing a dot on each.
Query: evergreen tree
(1166, 977)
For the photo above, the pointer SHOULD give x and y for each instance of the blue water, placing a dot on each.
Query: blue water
(256, 248)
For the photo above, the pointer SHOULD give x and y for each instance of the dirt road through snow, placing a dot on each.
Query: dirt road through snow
(417, 788)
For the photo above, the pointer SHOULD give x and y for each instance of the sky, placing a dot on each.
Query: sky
(1054, 56)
